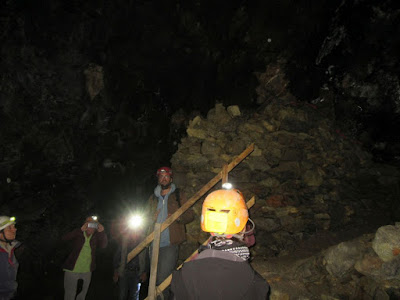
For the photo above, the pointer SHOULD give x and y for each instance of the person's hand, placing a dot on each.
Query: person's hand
(115, 277)
(143, 277)
(84, 226)
(100, 228)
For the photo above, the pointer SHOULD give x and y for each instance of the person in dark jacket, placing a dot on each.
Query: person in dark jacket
(81, 262)
(166, 200)
(221, 270)
(131, 275)
(8, 262)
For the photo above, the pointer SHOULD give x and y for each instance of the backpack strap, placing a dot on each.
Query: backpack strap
(178, 196)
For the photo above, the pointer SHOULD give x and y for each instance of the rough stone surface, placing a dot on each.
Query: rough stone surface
(305, 177)
(340, 259)
(387, 242)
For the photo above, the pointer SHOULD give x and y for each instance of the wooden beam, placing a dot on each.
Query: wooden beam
(224, 174)
(190, 202)
(251, 202)
(168, 280)
(152, 294)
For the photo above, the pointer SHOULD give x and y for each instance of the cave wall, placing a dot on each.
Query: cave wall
(306, 174)
(85, 88)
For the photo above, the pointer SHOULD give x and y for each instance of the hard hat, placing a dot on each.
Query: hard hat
(164, 170)
(224, 212)
(6, 221)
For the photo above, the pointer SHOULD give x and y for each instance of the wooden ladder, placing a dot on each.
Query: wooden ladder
(155, 235)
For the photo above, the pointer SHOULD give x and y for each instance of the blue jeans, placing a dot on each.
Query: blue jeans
(167, 259)
(129, 286)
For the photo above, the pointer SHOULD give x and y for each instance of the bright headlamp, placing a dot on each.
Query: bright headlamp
(227, 186)
(135, 221)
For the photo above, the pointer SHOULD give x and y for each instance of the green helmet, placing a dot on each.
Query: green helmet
(6, 221)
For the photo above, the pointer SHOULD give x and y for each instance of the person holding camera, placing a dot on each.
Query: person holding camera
(81, 261)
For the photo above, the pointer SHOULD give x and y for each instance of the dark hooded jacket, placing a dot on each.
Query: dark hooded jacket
(218, 275)
(8, 271)
(175, 201)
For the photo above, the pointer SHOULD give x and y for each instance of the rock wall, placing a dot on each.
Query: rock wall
(366, 267)
(306, 175)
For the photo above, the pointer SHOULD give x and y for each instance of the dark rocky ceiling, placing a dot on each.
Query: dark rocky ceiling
(160, 56)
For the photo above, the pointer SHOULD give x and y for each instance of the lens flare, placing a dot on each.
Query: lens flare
(135, 221)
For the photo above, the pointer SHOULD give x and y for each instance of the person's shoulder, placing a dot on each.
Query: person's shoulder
(193, 266)
(179, 190)
(100, 233)
(261, 285)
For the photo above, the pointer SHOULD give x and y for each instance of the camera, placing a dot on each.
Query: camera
(93, 225)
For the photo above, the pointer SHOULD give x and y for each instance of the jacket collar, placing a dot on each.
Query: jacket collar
(157, 190)
(5, 246)
(208, 253)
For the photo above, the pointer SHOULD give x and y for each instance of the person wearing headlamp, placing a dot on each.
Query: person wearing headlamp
(221, 270)
(131, 275)
(165, 201)
(8, 261)
(81, 262)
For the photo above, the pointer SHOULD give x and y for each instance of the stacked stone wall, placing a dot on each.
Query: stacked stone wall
(305, 174)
